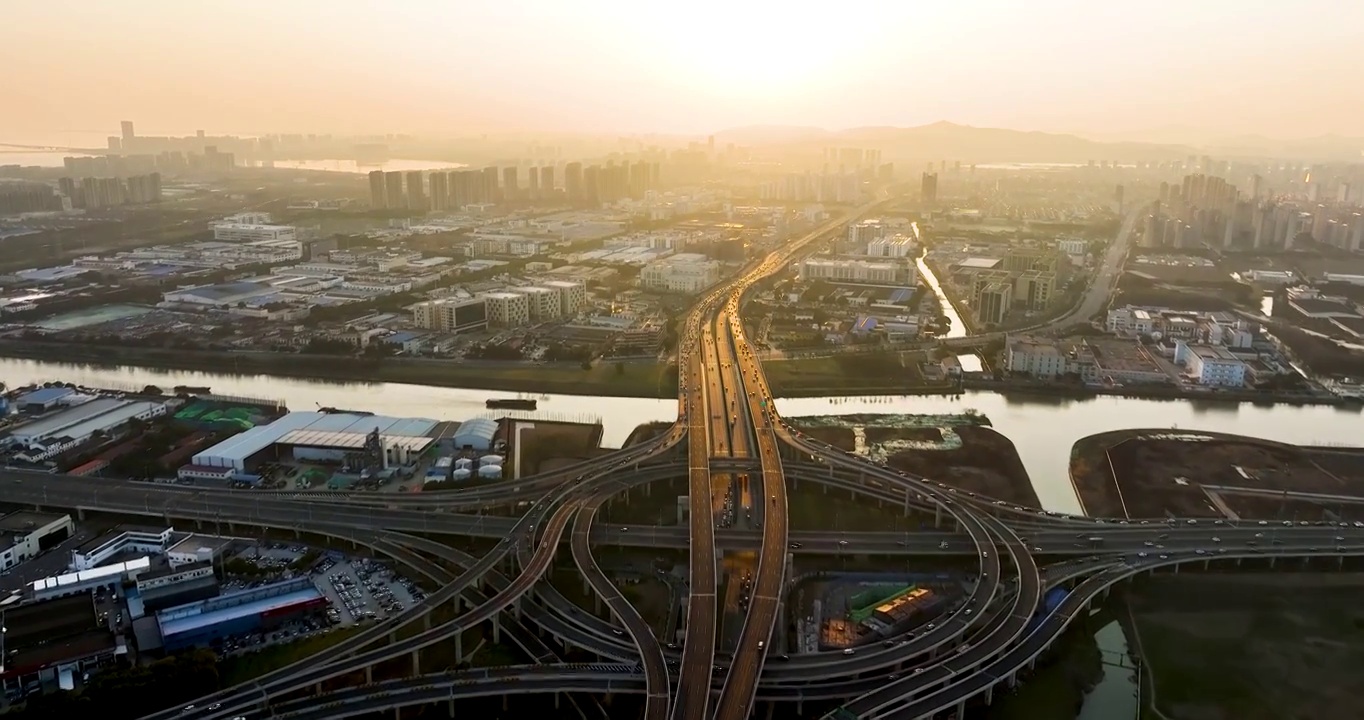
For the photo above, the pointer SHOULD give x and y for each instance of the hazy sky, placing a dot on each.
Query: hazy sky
(1287, 69)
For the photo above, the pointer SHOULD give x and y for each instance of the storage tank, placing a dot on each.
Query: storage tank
(490, 460)
(463, 464)
(490, 472)
(461, 474)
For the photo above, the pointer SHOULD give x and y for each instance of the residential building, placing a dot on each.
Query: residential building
(507, 309)
(393, 190)
(681, 273)
(863, 232)
(1211, 365)
(377, 197)
(451, 314)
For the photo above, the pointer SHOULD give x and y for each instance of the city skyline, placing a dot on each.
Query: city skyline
(606, 67)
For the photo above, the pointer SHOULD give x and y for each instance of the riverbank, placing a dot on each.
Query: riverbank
(606, 378)
(1147, 473)
(1153, 392)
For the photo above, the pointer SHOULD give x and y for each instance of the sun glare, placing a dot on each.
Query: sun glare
(754, 50)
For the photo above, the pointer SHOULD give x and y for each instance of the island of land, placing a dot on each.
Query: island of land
(1154, 473)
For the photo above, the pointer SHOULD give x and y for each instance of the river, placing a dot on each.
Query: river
(1042, 428)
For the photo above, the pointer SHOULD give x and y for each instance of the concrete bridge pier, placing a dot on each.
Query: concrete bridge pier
(989, 694)
(452, 707)
(596, 603)
(1205, 564)
(961, 709)
(416, 663)
(556, 700)
(497, 630)
(1340, 561)
(369, 674)
(426, 621)
(1032, 664)
(1271, 562)
(937, 514)
(1013, 680)
(459, 650)
(1175, 568)
(504, 702)
(80, 513)
(800, 705)
(393, 637)
(298, 534)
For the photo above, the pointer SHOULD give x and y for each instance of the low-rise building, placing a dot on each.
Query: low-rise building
(248, 232)
(24, 534)
(856, 271)
(682, 273)
(1211, 365)
(1038, 359)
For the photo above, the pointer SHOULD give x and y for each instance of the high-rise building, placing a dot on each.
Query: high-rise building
(592, 184)
(928, 188)
(416, 194)
(993, 302)
(533, 183)
(393, 190)
(377, 198)
(511, 189)
(127, 127)
(489, 190)
(573, 182)
(438, 180)
(547, 181)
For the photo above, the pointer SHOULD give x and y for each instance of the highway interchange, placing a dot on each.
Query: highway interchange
(727, 428)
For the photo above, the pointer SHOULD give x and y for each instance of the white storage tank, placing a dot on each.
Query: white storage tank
(461, 474)
(490, 472)
(490, 460)
(463, 464)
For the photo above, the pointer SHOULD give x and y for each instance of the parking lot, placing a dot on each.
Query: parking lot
(357, 589)
(363, 589)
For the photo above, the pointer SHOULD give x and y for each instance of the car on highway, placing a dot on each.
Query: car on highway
(848, 651)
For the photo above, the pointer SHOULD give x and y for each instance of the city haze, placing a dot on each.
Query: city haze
(1217, 69)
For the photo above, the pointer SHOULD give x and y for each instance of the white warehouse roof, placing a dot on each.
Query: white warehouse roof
(81, 420)
(234, 451)
(478, 432)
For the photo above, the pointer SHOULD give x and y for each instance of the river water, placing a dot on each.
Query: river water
(1042, 428)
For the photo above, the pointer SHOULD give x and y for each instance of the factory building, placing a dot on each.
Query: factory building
(53, 641)
(359, 440)
(507, 309)
(476, 434)
(200, 623)
(24, 534)
(49, 436)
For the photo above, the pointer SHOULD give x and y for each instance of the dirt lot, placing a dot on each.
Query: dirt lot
(986, 463)
(1189, 474)
(1251, 647)
(551, 444)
